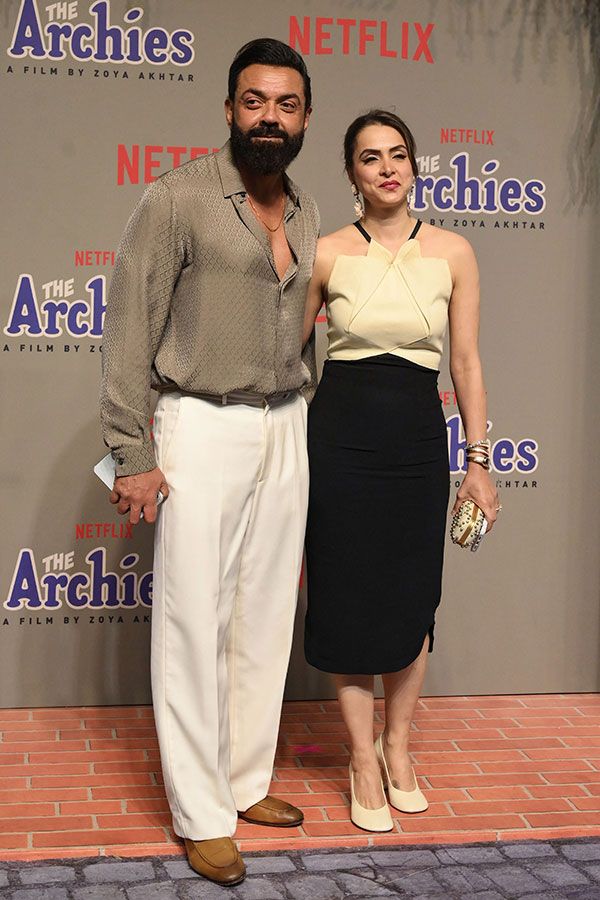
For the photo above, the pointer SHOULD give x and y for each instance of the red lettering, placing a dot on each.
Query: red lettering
(128, 166)
(346, 25)
(364, 36)
(321, 34)
(150, 163)
(423, 47)
(444, 135)
(405, 40)
(300, 39)
(176, 153)
(383, 47)
(300, 36)
(102, 530)
(448, 398)
(94, 257)
(453, 136)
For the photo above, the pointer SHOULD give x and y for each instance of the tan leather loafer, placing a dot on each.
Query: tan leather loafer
(217, 859)
(272, 811)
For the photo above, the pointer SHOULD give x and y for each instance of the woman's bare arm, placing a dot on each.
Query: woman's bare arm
(466, 372)
(317, 289)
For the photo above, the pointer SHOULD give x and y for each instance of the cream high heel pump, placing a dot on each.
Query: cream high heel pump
(379, 819)
(406, 801)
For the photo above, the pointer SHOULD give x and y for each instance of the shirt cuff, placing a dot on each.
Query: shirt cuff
(134, 459)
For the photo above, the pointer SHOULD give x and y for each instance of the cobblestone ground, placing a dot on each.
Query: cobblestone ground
(548, 870)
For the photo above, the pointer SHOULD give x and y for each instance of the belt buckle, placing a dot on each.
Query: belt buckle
(279, 398)
(265, 400)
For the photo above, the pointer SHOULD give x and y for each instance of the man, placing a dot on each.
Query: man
(206, 306)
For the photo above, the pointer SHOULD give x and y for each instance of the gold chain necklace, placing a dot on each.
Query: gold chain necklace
(260, 218)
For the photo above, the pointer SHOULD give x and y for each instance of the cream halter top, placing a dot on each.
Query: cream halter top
(381, 303)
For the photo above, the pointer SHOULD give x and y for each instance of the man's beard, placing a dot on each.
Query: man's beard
(264, 157)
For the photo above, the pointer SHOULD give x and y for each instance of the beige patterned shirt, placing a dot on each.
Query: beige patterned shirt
(195, 301)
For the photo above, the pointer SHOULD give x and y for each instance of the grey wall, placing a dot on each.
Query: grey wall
(520, 616)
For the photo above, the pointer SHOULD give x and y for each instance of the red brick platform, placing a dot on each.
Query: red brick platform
(81, 782)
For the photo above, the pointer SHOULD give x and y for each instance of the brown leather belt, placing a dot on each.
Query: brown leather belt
(248, 398)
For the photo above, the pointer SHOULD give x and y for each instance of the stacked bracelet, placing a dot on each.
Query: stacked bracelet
(485, 445)
(479, 452)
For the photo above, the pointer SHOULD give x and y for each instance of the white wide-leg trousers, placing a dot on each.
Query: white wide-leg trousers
(227, 557)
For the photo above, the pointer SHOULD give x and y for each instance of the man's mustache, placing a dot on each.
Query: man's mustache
(266, 131)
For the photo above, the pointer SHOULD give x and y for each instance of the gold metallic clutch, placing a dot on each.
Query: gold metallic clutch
(468, 525)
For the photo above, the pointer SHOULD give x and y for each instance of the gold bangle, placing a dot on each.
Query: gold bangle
(484, 465)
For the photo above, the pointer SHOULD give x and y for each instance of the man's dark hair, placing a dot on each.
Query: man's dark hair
(268, 52)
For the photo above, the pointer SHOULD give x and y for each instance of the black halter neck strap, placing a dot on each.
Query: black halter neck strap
(367, 236)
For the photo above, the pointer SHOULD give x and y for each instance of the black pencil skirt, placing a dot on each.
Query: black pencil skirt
(379, 485)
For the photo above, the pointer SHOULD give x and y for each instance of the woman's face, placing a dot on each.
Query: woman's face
(381, 169)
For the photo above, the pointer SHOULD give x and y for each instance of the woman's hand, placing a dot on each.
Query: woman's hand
(478, 487)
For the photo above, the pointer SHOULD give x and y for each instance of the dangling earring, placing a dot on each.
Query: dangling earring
(410, 198)
(358, 206)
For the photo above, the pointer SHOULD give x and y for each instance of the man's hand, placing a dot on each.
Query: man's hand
(134, 493)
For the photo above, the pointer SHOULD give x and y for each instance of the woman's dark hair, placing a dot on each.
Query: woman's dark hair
(268, 52)
(379, 117)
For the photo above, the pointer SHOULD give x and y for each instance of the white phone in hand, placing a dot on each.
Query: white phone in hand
(106, 471)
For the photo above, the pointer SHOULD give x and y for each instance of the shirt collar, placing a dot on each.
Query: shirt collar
(231, 180)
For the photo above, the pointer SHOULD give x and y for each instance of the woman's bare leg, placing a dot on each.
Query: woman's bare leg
(402, 690)
(355, 695)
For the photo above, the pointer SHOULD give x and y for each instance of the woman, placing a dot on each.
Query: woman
(378, 453)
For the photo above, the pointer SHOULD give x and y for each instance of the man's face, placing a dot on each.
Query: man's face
(267, 118)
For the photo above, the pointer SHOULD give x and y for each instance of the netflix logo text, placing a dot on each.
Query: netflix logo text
(144, 163)
(326, 36)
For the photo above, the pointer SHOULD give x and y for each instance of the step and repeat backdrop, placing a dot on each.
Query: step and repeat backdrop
(98, 99)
